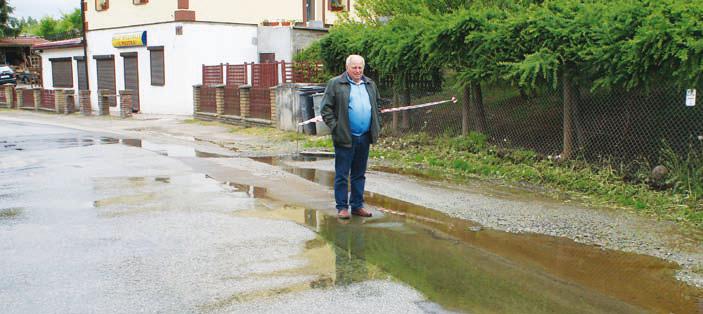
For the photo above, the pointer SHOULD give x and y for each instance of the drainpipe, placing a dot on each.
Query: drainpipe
(84, 6)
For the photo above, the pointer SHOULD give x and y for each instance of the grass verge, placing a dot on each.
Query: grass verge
(462, 158)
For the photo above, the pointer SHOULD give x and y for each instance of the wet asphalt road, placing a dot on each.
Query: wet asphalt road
(89, 225)
(94, 223)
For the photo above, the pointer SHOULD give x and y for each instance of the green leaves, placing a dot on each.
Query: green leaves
(618, 43)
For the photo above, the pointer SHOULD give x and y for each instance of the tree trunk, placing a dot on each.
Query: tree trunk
(477, 109)
(465, 109)
(568, 99)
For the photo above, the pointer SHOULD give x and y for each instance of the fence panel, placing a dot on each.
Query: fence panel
(212, 75)
(47, 99)
(303, 72)
(264, 74)
(207, 99)
(232, 100)
(237, 74)
(27, 98)
(260, 103)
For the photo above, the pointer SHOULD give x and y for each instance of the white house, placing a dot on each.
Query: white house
(157, 48)
(63, 64)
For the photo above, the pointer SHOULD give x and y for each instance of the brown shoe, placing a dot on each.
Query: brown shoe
(361, 212)
(343, 214)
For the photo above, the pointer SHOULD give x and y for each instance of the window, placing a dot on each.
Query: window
(102, 5)
(336, 5)
(138, 2)
(62, 72)
(158, 77)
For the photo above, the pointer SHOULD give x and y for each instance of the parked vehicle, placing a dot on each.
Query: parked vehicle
(7, 75)
(27, 77)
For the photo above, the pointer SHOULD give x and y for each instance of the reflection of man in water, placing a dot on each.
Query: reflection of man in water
(348, 243)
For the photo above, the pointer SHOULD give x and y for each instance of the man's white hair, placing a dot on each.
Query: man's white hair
(351, 58)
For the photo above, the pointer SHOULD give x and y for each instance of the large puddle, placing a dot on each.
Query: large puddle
(463, 266)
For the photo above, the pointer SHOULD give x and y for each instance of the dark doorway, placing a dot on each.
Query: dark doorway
(267, 57)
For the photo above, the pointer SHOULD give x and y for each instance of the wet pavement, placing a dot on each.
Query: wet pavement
(91, 222)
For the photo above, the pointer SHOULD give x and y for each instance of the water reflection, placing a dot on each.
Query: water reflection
(348, 243)
(250, 190)
(497, 272)
(463, 266)
(170, 150)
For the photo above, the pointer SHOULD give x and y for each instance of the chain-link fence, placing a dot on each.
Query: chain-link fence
(615, 124)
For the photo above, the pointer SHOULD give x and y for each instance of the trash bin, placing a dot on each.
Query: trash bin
(321, 127)
(307, 110)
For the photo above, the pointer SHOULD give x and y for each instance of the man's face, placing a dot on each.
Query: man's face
(355, 70)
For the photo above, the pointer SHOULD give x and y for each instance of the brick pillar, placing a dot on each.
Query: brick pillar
(125, 103)
(245, 100)
(103, 102)
(220, 100)
(196, 98)
(20, 97)
(59, 101)
(37, 98)
(69, 99)
(274, 113)
(86, 107)
(9, 94)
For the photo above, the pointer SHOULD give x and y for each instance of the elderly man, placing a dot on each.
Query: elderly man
(350, 108)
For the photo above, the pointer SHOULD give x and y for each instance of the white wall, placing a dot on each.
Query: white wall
(184, 55)
(47, 79)
(275, 39)
(123, 12)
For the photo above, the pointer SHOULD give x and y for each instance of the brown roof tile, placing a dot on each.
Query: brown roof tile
(21, 41)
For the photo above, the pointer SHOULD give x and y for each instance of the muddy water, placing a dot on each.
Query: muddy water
(463, 266)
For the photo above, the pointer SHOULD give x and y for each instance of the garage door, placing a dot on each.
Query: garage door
(106, 76)
(80, 69)
(131, 78)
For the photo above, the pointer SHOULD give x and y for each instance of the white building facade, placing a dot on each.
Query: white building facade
(157, 48)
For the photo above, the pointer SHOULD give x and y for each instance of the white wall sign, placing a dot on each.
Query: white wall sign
(690, 97)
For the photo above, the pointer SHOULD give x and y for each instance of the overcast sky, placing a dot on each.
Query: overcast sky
(40, 8)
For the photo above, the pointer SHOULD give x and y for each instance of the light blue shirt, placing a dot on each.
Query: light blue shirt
(359, 108)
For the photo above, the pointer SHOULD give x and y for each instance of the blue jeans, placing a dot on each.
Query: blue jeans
(351, 160)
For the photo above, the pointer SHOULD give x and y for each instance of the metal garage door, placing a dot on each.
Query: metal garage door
(80, 69)
(106, 76)
(131, 78)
